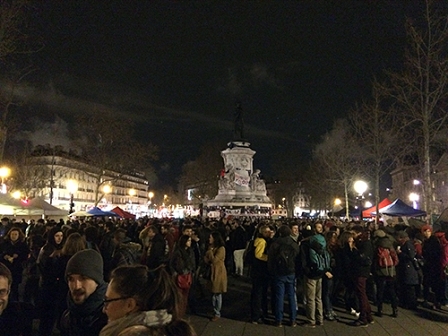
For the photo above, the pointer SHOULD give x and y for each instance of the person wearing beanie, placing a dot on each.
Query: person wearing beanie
(432, 268)
(85, 278)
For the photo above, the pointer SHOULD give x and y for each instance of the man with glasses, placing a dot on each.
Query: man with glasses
(15, 317)
(84, 316)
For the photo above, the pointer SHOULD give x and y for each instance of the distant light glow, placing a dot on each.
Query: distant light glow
(360, 187)
(16, 194)
(413, 197)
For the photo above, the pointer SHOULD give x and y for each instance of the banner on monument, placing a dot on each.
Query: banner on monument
(233, 211)
(241, 180)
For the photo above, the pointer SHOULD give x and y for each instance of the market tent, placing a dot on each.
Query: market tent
(12, 206)
(371, 211)
(353, 212)
(399, 208)
(122, 213)
(48, 209)
(95, 211)
(80, 214)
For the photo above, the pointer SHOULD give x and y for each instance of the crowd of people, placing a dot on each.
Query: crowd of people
(141, 277)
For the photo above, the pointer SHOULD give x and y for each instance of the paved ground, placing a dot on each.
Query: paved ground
(235, 320)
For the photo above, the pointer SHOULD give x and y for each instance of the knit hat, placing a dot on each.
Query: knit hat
(88, 263)
(402, 234)
(426, 227)
(379, 234)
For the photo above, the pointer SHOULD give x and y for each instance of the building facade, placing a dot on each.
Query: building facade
(74, 185)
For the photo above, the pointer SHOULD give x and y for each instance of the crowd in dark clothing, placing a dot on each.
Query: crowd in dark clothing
(333, 263)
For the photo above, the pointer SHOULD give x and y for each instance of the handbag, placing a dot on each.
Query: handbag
(184, 281)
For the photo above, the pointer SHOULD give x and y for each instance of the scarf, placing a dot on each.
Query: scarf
(154, 318)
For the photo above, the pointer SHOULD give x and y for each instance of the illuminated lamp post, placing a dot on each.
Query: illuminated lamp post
(336, 204)
(413, 197)
(72, 187)
(150, 196)
(107, 189)
(4, 173)
(16, 194)
(360, 188)
(131, 193)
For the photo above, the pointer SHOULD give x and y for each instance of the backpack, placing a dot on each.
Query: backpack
(319, 263)
(386, 257)
(285, 260)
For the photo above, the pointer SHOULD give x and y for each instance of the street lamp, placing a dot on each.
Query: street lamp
(360, 187)
(107, 189)
(4, 173)
(72, 187)
(413, 197)
(16, 194)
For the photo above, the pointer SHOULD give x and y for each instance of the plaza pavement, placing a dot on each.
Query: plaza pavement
(235, 319)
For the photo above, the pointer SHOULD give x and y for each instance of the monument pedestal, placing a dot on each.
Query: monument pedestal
(241, 191)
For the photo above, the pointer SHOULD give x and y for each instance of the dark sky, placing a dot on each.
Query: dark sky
(179, 67)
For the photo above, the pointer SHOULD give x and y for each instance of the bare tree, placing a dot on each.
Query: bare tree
(202, 173)
(16, 43)
(319, 186)
(341, 157)
(421, 90)
(379, 133)
(106, 142)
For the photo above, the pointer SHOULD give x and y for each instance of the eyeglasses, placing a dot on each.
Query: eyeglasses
(107, 301)
(4, 292)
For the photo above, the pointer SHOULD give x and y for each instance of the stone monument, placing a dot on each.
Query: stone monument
(241, 192)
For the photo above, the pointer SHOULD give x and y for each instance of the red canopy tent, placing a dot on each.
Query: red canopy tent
(368, 213)
(122, 213)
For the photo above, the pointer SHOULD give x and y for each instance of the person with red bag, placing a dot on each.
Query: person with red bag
(183, 267)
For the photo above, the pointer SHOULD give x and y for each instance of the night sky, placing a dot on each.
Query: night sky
(179, 67)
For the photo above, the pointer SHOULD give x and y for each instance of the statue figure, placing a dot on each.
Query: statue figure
(256, 183)
(227, 179)
(238, 131)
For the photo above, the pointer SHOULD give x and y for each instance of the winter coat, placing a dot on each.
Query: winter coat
(385, 242)
(432, 254)
(309, 268)
(444, 254)
(274, 251)
(126, 254)
(86, 319)
(407, 273)
(183, 261)
(17, 319)
(238, 238)
(215, 258)
(361, 258)
(10, 248)
(157, 252)
(259, 266)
